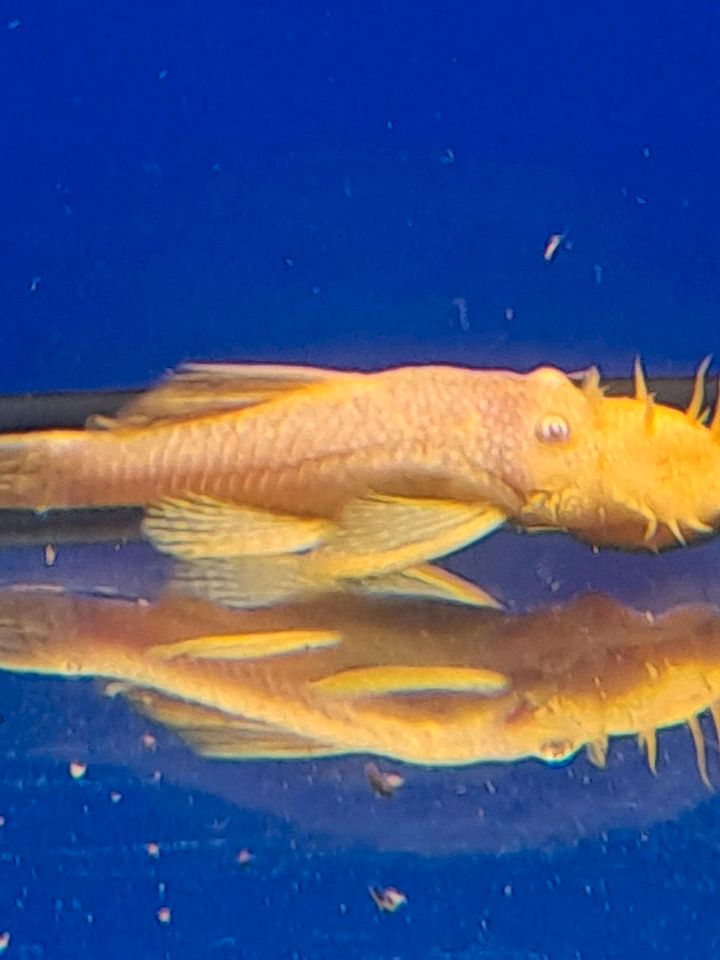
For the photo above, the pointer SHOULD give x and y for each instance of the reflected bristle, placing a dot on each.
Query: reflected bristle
(647, 740)
(700, 752)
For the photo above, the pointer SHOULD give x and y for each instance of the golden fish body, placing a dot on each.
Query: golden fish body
(418, 682)
(376, 473)
(414, 431)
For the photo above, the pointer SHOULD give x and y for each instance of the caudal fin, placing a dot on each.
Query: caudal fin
(24, 472)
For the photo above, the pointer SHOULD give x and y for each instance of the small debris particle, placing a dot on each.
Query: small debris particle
(164, 915)
(77, 769)
(641, 201)
(152, 850)
(13, 24)
(4, 940)
(2, 821)
(461, 305)
(244, 857)
(383, 783)
(448, 157)
(50, 555)
(34, 284)
(115, 797)
(148, 741)
(552, 246)
(509, 314)
(162, 74)
(598, 271)
(646, 152)
(507, 890)
(388, 900)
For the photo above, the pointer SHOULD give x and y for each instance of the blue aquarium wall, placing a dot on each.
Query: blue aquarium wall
(355, 185)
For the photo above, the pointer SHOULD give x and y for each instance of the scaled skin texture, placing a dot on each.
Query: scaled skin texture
(377, 472)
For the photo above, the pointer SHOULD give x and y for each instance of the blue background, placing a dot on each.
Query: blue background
(320, 182)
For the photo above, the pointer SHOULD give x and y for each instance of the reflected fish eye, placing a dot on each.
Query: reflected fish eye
(553, 429)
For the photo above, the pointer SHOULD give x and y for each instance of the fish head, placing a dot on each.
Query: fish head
(623, 471)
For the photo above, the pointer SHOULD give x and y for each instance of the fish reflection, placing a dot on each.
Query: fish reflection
(417, 682)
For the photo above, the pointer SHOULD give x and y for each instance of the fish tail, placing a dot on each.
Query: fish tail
(27, 629)
(32, 467)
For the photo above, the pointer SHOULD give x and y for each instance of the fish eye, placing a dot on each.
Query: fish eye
(553, 429)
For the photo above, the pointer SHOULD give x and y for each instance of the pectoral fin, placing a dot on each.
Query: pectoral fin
(391, 679)
(248, 646)
(197, 526)
(380, 534)
(199, 389)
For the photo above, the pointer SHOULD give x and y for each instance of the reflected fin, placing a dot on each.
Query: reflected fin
(402, 679)
(248, 646)
(427, 582)
(218, 735)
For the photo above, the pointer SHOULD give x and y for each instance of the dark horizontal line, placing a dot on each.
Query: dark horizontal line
(44, 411)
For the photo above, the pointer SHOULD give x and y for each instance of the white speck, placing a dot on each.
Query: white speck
(389, 125)
(50, 555)
(13, 24)
(162, 74)
(34, 284)
(448, 157)
(316, 290)
(598, 271)
(289, 261)
(640, 200)
(509, 314)
(646, 152)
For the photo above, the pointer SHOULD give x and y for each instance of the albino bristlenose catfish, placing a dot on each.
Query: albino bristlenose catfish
(359, 475)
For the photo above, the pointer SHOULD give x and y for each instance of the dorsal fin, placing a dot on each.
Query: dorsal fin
(197, 389)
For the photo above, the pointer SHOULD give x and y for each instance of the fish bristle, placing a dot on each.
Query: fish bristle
(695, 407)
(700, 751)
(641, 391)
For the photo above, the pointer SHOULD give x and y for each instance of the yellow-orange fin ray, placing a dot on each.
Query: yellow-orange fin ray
(427, 582)
(379, 681)
(700, 751)
(383, 533)
(248, 646)
(197, 526)
(199, 389)
(695, 407)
